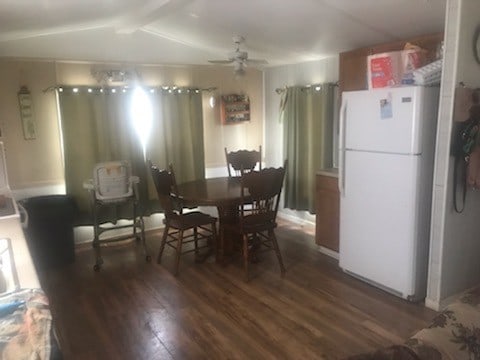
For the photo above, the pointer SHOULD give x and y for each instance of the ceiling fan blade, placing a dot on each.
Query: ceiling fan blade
(239, 58)
(257, 61)
(220, 61)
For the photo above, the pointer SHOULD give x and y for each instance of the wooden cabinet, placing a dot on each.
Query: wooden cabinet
(328, 211)
(353, 64)
(235, 108)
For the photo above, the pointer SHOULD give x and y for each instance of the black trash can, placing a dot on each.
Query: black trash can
(49, 232)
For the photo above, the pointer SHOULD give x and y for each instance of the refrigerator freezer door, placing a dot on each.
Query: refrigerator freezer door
(384, 120)
(378, 210)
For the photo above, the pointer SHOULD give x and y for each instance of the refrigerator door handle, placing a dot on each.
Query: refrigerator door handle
(341, 157)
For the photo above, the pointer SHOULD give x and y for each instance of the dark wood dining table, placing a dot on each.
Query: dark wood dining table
(224, 193)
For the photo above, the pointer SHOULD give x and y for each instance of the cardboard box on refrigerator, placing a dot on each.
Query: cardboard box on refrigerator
(394, 68)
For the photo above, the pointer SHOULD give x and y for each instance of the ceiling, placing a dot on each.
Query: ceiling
(193, 31)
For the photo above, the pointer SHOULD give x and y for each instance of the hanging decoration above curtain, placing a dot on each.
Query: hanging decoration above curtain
(119, 75)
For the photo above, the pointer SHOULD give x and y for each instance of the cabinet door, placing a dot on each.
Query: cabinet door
(353, 70)
(328, 210)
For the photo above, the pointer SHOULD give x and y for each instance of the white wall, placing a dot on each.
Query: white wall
(455, 238)
(313, 72)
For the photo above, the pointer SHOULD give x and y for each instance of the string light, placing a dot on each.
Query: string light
(113, 90)
(316, 87)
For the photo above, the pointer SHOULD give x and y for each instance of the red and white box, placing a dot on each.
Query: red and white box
(393, 68)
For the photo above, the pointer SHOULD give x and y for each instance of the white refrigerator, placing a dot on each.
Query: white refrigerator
(386, 156)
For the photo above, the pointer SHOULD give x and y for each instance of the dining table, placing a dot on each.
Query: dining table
(224, 193)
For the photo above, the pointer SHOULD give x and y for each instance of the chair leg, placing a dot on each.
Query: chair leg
(254, 247)
(179, 252)
(214, 238)
(134, 221)
(142, 237)
(162, 244)
(195, 239)
(245, 256)
(96, 239)
(220, 249)
(273, 239)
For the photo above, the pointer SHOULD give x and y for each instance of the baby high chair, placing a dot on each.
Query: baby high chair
(112, 185)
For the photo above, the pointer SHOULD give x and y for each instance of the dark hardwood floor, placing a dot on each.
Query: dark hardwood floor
(137, 310)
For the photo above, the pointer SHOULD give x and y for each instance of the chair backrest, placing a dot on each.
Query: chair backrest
(261, 192)
(243, 161)
(112, 180)
(164, 181)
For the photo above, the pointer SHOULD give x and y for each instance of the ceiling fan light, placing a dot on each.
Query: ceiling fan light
(239, 72)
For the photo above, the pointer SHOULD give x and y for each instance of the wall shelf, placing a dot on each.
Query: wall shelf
(235, 109)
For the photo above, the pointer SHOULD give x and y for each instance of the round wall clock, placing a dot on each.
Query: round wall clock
(476, 44)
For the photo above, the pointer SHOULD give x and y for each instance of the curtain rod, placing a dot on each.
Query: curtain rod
(305, 87)
(162, 87)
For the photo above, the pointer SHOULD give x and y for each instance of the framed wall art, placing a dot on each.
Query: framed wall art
(26, 113)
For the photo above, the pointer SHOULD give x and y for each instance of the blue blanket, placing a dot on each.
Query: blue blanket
(25, 326)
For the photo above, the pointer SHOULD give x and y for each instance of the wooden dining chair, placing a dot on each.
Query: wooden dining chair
(243, 161)
(260, 196)
(181, 228)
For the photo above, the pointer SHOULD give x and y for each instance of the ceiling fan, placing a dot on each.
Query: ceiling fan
(239, 58)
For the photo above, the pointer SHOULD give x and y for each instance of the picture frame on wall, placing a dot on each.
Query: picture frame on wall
(26, 113)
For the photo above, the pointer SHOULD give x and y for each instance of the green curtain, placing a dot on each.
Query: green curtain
(177, 136)
(307, 115)
(96, 127)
